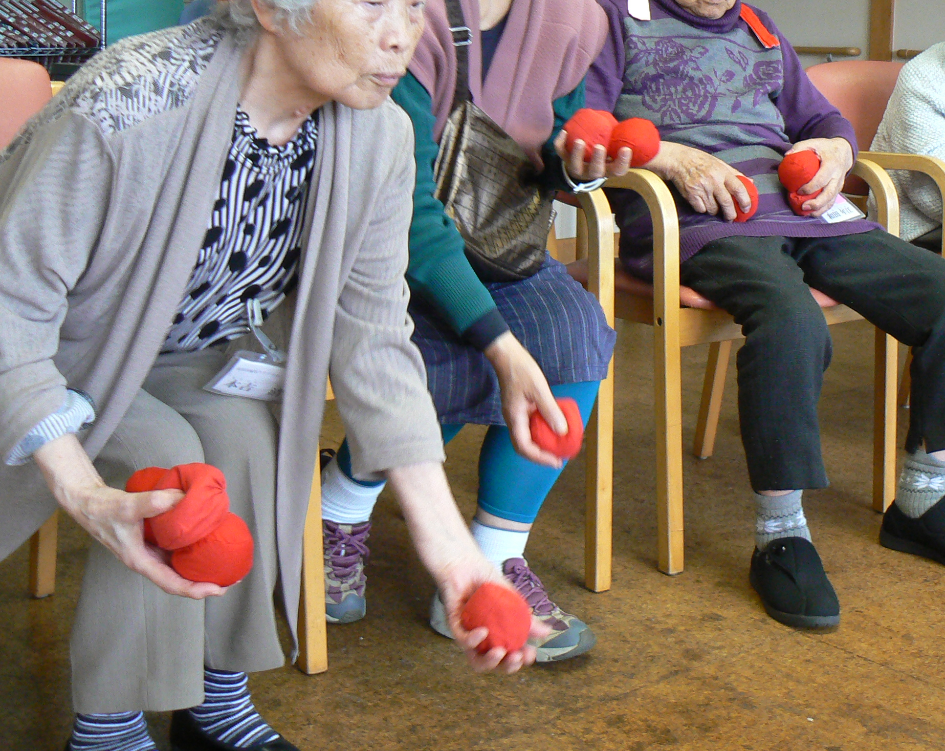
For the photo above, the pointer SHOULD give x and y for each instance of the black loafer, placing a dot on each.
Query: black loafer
(794, 589)
(186, 735)
(924, 536)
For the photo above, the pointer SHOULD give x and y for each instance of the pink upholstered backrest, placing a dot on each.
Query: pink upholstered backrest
(860, 89)
(24, 90)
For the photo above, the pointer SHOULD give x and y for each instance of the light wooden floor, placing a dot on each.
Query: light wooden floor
(690, 662)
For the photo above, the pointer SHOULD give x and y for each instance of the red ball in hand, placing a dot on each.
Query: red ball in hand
(503, 612)
(222, 557)
(798, 169)
(565, 446)
(199, 512)
(637, 134)
(744, 216)
(797, 201)
(591, 126)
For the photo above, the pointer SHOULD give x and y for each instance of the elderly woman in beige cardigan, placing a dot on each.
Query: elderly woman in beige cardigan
(182, 182)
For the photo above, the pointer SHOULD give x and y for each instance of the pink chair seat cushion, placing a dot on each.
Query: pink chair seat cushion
(628, 284)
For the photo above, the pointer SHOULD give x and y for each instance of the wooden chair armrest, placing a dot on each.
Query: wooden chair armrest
(600, 249)
(884, 191)
(665, 238)
(927, 165)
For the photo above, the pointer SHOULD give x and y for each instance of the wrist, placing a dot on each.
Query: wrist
(499, 353)
(67, 469)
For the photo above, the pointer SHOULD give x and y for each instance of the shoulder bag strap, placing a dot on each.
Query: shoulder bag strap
(462, 38)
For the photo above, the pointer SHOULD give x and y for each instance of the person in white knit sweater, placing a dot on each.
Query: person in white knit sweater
(914, 123)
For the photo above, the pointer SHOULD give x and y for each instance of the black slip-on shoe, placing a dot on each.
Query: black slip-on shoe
(924, 536)
(186, 735)
(789, 577)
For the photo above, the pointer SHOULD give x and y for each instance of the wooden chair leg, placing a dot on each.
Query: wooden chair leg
(43, 558)
(905, 382)
(599, 458)
(313, 638)
(884, 420)
(713, 389)
(669, 487)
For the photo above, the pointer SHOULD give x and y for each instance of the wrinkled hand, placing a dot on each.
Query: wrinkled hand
(836, 160)
(707, 183)
(524, 390)
(113, 517)
(600, 165)
(457, 582)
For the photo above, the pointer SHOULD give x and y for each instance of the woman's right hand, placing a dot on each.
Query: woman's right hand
(524, 390)
(113, 517)
(707, 183)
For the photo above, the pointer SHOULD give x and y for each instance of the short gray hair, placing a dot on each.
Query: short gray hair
(239, 14)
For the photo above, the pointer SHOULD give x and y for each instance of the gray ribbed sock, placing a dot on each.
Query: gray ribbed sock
(921, 484)
(779, 516)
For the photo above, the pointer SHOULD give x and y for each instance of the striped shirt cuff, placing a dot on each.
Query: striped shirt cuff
(76, 413)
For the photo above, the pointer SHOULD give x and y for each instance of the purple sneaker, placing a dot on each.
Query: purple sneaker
(346, 552)
(569, 635)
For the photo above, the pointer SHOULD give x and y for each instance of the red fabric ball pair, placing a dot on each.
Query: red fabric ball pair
(207, 542)
(597, 127)
(501, 610)
(794, 172)
(565, 446)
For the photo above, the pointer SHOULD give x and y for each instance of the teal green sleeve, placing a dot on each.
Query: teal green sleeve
(129, 17)
(438, 269)
(564, 108)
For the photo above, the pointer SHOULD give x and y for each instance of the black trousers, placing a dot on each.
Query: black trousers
(763, 283)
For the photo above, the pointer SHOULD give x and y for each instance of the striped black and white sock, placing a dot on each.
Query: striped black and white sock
(227, 712)
(123, 731)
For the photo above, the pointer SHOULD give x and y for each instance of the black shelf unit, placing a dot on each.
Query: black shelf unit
(50, 56)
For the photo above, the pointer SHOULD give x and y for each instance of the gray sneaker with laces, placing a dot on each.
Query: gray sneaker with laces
(569, 636)
(346, 552)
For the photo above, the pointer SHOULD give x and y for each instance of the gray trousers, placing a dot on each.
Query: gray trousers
(134, 647)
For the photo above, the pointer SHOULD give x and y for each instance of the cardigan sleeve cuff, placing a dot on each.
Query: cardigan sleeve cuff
(486, 330)
(75, 414)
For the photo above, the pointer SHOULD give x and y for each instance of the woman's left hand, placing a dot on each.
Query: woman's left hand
(600, 165)
(524, 390)
(836, 160)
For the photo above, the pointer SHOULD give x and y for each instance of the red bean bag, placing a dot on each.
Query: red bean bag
(223, 557)
(640, 136)
(744, 216)
(591, 126)
(501, 610)
(566, 446)
(201, 510)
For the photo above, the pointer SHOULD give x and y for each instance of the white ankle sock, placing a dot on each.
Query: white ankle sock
(498, 545)
(345, 501)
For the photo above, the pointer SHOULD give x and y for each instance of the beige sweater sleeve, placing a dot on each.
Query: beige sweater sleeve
(54, 189)
(377, 373)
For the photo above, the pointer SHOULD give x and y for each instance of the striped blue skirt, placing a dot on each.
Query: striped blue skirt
(554, 318)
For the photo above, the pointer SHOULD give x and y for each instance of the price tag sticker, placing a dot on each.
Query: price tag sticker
(842, 211)
(251, 375)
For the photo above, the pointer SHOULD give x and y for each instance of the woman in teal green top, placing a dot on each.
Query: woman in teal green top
(494, 351)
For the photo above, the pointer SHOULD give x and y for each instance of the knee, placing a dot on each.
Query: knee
(796, 326)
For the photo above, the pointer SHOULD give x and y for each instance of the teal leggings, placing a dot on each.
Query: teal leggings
(510, 486)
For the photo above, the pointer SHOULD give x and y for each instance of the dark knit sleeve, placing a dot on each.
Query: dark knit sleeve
(438, 269)
(806, 112)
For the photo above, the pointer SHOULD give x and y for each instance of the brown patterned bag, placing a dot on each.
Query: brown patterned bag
(488, 185)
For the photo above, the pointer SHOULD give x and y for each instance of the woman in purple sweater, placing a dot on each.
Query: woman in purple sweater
(729, 97)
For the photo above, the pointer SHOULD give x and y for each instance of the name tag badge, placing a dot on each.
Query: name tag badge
(842, 211)
(251, 375)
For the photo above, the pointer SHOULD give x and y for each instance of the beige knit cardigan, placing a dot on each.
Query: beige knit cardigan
(104, 202)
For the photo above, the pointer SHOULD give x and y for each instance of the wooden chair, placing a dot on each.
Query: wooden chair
(860, 89)
(681, 317)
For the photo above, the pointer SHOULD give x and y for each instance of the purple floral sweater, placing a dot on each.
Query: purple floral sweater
(712, 85)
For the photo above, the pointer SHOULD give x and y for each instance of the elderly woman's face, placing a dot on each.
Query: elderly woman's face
(353, 51)
(706, 8)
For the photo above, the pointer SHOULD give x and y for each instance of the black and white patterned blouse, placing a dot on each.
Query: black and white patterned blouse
(254, 241)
